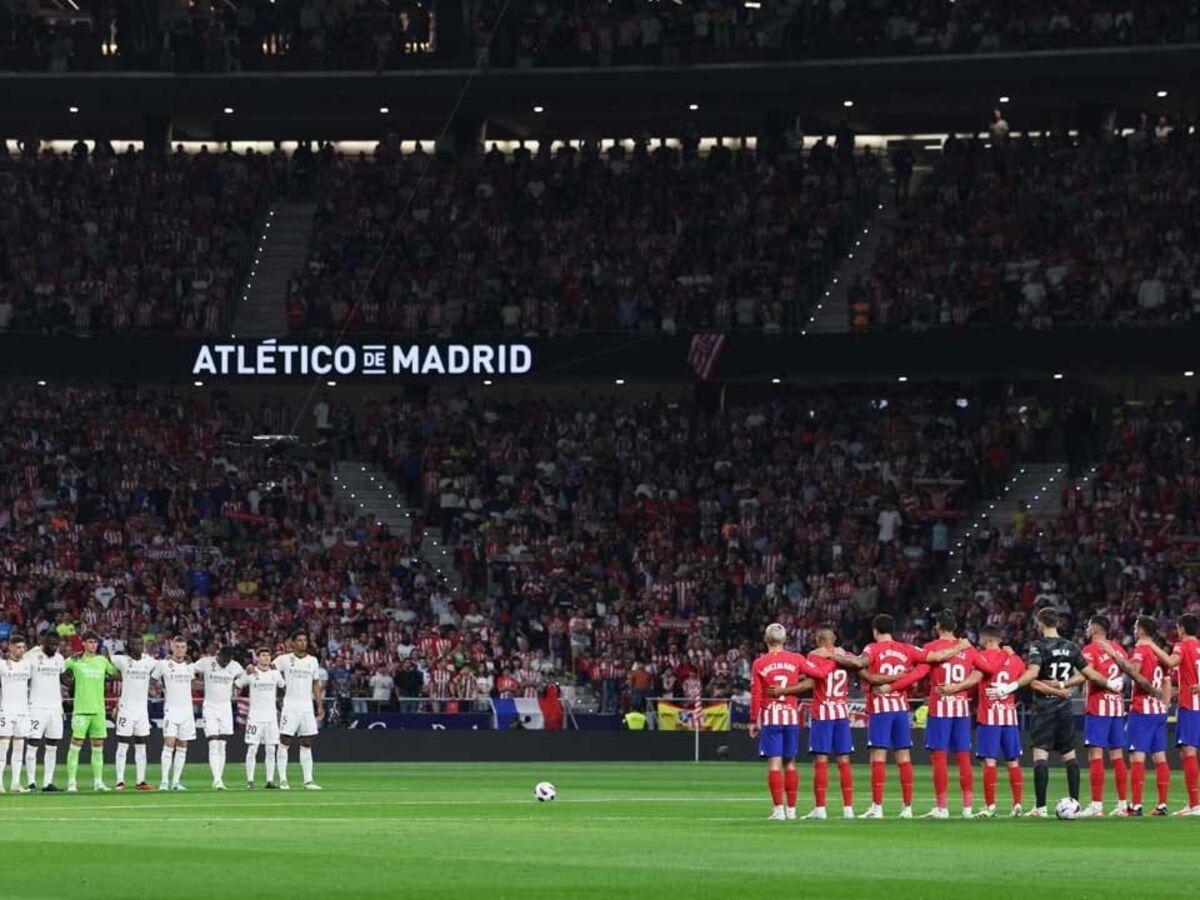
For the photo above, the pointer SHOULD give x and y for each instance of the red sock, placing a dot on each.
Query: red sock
(906, 782)
(1097, 770)
(1139, 781)
(820, 781)
(775, 784)
(1121, 777)
(791, 786)
(1162, 774)
(989, 785)
(846, 776)
(878, 777)
(1016, 781)
(966, 779)
(941, 777)
(1191, 777)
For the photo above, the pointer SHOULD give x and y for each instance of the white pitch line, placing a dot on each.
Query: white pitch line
(150, 805)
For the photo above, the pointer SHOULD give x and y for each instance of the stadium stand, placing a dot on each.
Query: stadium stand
(1037, 233)
(122, 243)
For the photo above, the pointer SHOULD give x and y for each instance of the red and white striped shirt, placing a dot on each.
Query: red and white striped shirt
(1146, 663)
(1101, 701)
(893, 658)
(439, 683)
(779, 669)
(952, 671)
(830, 693)
(1008, 668)
(1188, 651)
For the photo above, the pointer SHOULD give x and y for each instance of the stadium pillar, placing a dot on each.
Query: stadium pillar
(156, 133)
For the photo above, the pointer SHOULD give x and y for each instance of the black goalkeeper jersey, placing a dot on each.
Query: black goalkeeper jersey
(1057, 659)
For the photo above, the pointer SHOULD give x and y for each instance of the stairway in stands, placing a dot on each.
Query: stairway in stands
(281, 251)
(1038, 485)
(363, 486)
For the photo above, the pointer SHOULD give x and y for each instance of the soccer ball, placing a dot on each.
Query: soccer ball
(544, 791)
(1067, 808)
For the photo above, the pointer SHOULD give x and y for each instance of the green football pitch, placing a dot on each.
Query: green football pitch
(660, 830)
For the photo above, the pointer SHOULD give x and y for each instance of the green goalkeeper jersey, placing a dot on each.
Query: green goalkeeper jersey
(89, 672)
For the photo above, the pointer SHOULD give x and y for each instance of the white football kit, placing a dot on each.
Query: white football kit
(262, 722)
(133, 709)
(218, 695)
(45, 695)
(14, 698)
(299, 718)
(179, 716)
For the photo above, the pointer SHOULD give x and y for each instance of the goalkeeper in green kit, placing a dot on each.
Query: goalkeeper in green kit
(88, 722)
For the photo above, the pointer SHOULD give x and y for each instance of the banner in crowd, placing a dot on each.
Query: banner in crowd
(422, 721)
(525, 710)
(271, 359)
(713, 716)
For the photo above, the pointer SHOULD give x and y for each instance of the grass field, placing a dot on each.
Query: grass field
(616, 830)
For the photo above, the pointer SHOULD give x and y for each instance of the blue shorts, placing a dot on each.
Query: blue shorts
(998, 742)
(889, 731)
(951, 734)
(779, 740)
(1147, 733)
(1106, 732)
(831, 738)
(1187, 728)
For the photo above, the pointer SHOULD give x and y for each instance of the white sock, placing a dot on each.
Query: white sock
(31, 763)
(122, 752)
(251, 759)
(779, 808)
(180, 759)
(306, 763)
(214, 759)
(167, 754)
(139, 762)
(18, 754)
(49, 760)
(4, 743)
(269, 758)
(281, 761)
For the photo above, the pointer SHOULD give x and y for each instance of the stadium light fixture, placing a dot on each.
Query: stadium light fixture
(331, 383)
(849, 104)
(1188, 374)
(228, 110)
(619, 381)
(196, 383)
(539, 109)
(383, 110)
(1058, 376)
(776, 380)
(1005, 98)
(902, 379)
(1161, 95)
(487, 382)
(72, 109)
(41, 383)
(693, 106)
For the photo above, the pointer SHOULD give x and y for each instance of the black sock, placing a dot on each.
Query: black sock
(1073, 779)
(1041, 780)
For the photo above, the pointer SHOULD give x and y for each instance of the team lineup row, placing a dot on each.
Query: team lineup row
(1053, 666)
(31, 710)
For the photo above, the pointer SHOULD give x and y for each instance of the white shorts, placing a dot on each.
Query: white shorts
(218, 722)
(262, 733)
(298, 722)
(45, 724)
(13, 726)
(132, 724)
(182, 728)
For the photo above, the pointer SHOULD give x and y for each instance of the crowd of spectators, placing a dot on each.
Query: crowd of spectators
(249, 35)
(1123, 543)
(657, 238)
(1035, 233)
(604, 32)
(636, 548)
(104, 242)
(253, 35)
(648, 543)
